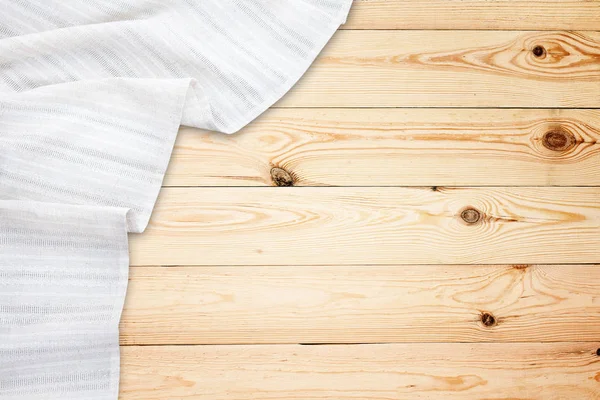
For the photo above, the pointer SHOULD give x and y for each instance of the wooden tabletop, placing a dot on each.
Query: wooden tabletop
(419, 218)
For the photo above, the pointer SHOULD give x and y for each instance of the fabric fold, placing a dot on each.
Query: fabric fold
(105, 143)
(91, 98)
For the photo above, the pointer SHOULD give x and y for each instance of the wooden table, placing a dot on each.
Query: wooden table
(418, 219)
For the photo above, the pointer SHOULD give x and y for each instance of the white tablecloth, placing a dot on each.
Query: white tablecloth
(92, 94)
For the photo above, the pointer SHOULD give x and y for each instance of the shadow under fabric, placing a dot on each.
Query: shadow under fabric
(91, 98)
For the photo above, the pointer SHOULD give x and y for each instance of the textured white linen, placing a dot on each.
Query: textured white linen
(63, 276)
(91, 97)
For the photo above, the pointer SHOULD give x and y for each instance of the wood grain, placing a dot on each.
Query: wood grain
(344, 225)
(453, 69)
(554, 371)
(362, 304)
(475, 14)
(366, 259)
(396, 147)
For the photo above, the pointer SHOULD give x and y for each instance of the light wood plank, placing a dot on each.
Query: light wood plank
(345, 225)
(555, 371)
(397, 147)
(453, 69)
(475, 14)
(362, 304)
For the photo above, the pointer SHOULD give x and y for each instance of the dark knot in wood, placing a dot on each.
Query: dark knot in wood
(598, 352)
(488, 319)
(539, 51)
(470, 215)
(558, 139)
(281, 177)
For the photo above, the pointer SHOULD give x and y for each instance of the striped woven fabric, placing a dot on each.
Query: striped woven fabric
(92, 94)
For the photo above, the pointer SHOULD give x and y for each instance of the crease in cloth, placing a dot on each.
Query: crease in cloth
(91, 98)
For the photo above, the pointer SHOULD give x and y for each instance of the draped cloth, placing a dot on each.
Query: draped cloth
(92, 94)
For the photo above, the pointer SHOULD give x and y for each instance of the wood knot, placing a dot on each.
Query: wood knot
(539, 51)
(598, 352)
(558, 139)
(488, 319)
(281, 177)
(471, 215)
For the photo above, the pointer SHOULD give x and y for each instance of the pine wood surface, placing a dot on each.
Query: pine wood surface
(453, 69)
(552, 371)
(396, 147)
(421, 212)
(370, 225)
(474, 14)
(362, 304)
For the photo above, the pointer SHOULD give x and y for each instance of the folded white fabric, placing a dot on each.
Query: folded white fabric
(91, 97)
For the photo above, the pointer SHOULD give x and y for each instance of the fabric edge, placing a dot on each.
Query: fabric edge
(28, 214)
(338, 21)
(141, 221)
(119, 305)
